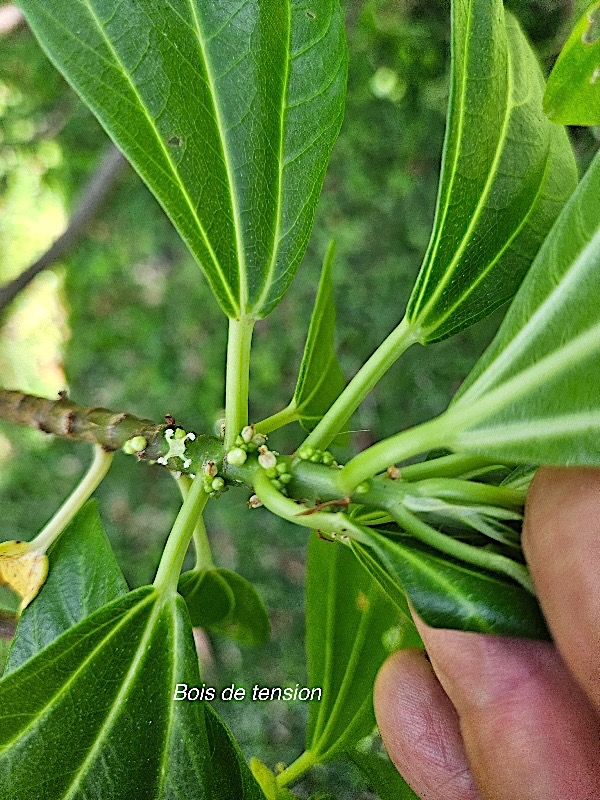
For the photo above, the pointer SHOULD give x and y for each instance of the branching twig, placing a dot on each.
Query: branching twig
(94, 194)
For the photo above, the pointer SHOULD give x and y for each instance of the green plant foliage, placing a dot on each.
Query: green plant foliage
(228, 112)
(533, 396)
(382, 774)
(83, 576)
(321, 379)
(449, 594)
(225, 603)
(573, 92)
(506, 174)
(347, 616)
(109, 679)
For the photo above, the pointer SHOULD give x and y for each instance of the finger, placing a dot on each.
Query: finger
(528, 729)
(561, 540)
(420, 729)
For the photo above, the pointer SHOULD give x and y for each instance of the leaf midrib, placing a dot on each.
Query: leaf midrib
(98, 23)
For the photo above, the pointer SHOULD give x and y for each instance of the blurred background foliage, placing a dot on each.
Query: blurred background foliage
(126, 319)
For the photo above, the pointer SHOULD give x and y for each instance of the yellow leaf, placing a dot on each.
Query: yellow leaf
(22, 569)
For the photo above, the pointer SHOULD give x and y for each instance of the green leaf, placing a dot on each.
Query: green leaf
(83, 576)
(450, 594)
(506, 173)
(534, 396)
(227, 110)
(227, 604)
(573, 92)
(232, 777)
(268, 782)
(321, 379)
(347, 616)
(72, 718)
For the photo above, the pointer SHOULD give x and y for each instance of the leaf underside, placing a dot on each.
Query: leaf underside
(573, 93)
(534, 396)
(507, 172)
(321, 380)
(227, 110)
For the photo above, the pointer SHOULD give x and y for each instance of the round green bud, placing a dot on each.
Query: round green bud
(239, 441)
(267, 459)
(277, 484)
(362, 488)
(237, 456)
(248, 433)
(259, 439)
(218, 484)
(138, 443)
(271, 472)
(128, 448)
(316, 457)
(281, 467)
(328, 459)
(304, 453)
(285, 478)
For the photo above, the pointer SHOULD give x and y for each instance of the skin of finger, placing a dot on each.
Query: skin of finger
(561, 541)
(420, 729)
(528, 730)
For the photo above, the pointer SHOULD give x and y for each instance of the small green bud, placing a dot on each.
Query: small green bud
(281, 467)
(271, 472)
(277, 484)
(127, 448)
(362, 488)
(139, 443)
(316, 457)
(180, 433)
(250, 447)
(218, 484)
(328, 459)
(267, 459)
(239, 441)
(285, 478)
(304, 453)
(259, 439)
(237, 456)
(248, 433)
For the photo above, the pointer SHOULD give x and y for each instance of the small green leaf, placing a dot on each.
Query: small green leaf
(507, 172)
(450, 594)
(321, 379)
(227, 604)
(347, 616)
(232, 777)
(208, 596)
(534, 396)
(228, 110)
(573, 93)
(83, 576)
(74, 716)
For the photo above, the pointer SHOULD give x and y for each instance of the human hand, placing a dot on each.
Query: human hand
(496, 718)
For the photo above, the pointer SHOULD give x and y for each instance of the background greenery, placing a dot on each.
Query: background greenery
(128, 322)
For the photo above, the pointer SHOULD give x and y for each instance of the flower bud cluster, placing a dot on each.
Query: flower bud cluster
(315, 456)
(214, 484)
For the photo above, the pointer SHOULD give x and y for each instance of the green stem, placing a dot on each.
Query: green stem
(204, 557)
(180, 536)
(399, 340)
(452, 466)
(455, 490)
(278, 420)
(335, 523)
(401, 447)
(83, 491)
(476, 556)
(296, 769)
(237, 377)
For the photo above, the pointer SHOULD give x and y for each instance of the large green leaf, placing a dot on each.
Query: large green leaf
(534, 396)
(347, 616)
(83, 576)
(226, 603)
(94, 714)
(449, 594)
(507, 171)
(573, 92)
(228, 110)
(321, 379)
